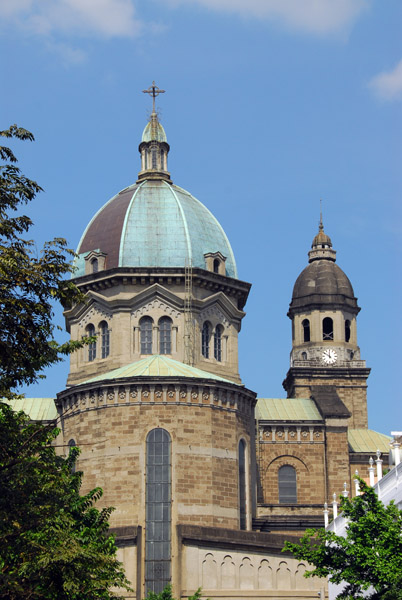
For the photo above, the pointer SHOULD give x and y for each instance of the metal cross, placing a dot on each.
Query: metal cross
(153, 91)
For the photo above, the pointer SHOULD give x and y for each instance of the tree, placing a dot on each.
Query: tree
(29, 282)
(53, 541)
(369, 556)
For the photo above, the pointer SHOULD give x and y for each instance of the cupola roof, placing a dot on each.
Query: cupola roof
(154, 223)
(322, 284)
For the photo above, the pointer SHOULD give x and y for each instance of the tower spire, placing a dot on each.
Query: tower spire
(321, 248)
(321, 226)
(154, 148)
(153, 91)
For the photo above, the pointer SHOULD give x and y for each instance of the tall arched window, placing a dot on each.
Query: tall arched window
(105, 339)
(95, 265)
(146, 324)
(165, 335)
(327, 329)
(347, 331)
(206, 336)
(287, 485)
(72, 444)
(306, 330)
(242, 485)
(216, 265)
(218, 342)
(90, 331)
(158, 511)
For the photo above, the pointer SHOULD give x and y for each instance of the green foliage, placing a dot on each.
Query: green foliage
(53, 541)
(369, 556)
(166, 594)
(29, 281)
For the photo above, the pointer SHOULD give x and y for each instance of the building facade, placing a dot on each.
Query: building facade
(207, 480)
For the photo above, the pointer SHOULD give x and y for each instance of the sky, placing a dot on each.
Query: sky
(270, 105)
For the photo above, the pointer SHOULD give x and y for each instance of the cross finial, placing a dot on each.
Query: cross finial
(321, 226)
(153, 91)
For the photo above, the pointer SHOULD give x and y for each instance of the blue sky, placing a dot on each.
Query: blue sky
(270, 105)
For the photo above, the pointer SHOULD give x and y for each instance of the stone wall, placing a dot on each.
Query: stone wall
(236, 565)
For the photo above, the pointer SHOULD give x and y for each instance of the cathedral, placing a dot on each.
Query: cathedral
(207, 479)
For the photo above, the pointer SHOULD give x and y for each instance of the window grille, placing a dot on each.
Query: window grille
(218, 343)
(206, 335)
(158, 511)
(105, 339)
(327, 329)
(92, 346)
(146, 324)
(242, 484)
(287, 485)
(165, 335)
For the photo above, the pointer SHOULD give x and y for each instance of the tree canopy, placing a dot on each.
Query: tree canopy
(53, 541)
(30, 281)
(368, 559)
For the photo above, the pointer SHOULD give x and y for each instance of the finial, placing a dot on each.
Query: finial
(153, 91)
(321, 226)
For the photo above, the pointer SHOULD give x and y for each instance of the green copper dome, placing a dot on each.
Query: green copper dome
(153, 132)
(154, 224)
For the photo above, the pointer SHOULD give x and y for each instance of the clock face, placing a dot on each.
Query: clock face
(329, 356)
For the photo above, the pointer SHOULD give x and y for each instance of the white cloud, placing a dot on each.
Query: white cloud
(388, 85)
(106, 18)
(311, 16)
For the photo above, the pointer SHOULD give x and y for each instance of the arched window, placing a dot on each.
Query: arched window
(242, 485)
(95, 265)
(327, 329)
(158, 511)
(165, 335)
(304, 355)
(218, 342)
(72, 444)
(287, 485)
(216, 265)
(306, 330)
(162, 160)
(90, 331)
(154, 164)
(206, 336)
(146, 324)
(105, 339)
(347, 331)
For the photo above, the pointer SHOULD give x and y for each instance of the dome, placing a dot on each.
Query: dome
(154, 132)
(154, 223)
(322, 277)
(321, 240)
(322, 284)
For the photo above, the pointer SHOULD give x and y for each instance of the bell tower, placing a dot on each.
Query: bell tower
(323, 312)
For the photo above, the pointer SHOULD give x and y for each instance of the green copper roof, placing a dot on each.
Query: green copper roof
(157, 366)
(153, 131)
(367, 440)
(287, 409)
(37, 409)
(154, 224)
